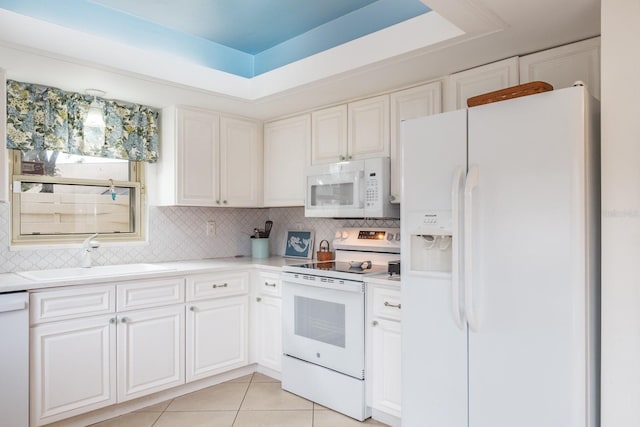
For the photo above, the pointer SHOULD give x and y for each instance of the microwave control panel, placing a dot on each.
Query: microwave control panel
(372, 191)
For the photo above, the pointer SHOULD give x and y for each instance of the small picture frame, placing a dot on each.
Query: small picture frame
(299, 244)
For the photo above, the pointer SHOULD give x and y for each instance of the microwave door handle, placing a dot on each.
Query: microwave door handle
(361, 188)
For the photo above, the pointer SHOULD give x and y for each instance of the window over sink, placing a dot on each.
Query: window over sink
(61, 198)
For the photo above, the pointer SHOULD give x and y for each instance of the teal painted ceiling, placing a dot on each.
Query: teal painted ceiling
(242, 37)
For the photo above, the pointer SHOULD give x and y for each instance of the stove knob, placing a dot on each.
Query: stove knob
(338, 234)
(345, 234)
(389, 236)
(398, 237)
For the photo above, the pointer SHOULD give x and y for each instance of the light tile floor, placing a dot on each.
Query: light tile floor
(251, 401)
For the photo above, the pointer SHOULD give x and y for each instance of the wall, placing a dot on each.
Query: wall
(621, 214)
(178, 233)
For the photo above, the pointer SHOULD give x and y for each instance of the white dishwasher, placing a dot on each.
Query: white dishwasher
(14, 359)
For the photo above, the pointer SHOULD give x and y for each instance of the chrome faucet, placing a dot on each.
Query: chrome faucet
(87, 247)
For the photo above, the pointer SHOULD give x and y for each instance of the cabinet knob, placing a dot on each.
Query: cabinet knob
(193, 308)
(112, 320)
(349, 157)
(374, 323)
(258, 299)
(224, 201)
(124, 320)
(217, 202)
(342, 158)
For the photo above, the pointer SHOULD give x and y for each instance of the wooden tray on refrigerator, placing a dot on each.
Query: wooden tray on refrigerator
(509, 93)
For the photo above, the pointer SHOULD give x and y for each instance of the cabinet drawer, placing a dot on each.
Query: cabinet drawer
(151, 293)
(386, 303)
(71, 303)
(269, 283)
(205, 286)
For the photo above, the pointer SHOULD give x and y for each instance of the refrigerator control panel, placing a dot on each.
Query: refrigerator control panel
(431, 222)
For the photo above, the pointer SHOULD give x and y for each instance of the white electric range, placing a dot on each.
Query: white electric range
(324, 319)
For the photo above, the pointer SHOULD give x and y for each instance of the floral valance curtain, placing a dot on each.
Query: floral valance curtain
(46, 118)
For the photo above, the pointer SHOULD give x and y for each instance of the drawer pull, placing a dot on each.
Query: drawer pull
(273, 285)
(220, 286)
(388, 304)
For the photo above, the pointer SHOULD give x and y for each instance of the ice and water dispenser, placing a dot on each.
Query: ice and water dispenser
(431, 241)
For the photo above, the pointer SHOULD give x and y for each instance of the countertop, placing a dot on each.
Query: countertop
(11, 282)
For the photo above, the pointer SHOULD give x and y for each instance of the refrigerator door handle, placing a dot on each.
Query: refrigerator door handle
(458, 179)
(469, 310)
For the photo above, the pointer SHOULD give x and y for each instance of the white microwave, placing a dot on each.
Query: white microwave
(355, 189)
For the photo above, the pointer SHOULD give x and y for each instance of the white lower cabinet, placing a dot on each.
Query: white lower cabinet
(384, 348)
(385, 377)
(267, 320)
(73, 367)
(150, 351)
(217, 336)
(84, 359)
(269, 332)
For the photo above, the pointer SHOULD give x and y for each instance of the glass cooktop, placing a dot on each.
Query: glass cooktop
(344, 267)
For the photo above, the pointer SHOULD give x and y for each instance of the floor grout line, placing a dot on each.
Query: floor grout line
(243, 397)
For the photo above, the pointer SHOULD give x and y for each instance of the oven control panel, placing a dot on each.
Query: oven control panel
(376, 239)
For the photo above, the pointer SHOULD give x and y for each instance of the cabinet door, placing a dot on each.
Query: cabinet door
(369, 128)
(217, 336)
(564, 65)
(287, 145)
(240, 162)
(150, 351)
(329, 135)
(197, 161)
(408, 104)
(73, 366)
(386, 366)
(476, 81)
(269, 332)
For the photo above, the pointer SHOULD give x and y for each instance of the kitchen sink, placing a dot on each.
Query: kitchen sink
(98, 271)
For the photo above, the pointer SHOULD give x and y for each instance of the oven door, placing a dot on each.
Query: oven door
(323, 322)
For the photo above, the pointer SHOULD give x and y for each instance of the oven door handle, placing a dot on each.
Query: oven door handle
(323, 282)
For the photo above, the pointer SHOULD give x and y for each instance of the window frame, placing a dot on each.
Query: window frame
(139, 215)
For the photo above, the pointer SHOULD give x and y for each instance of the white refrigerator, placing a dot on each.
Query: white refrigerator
(500, 264)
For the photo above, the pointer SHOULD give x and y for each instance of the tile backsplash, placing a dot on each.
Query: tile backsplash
(179, 233)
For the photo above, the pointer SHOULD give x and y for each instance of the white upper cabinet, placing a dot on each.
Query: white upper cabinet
(240, 162)
(562, 66)
(207, 160)
(287, 145)
(408, 104)
(197, 138)
(369, 128)
(329, 135)
(358, 130)
(476, 81)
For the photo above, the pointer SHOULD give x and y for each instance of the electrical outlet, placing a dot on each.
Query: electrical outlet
(211, 228)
